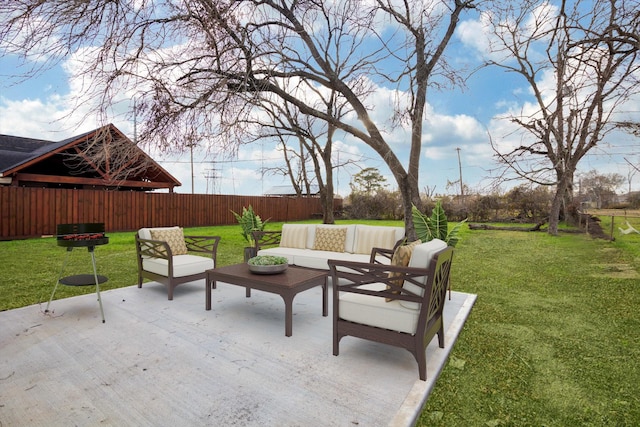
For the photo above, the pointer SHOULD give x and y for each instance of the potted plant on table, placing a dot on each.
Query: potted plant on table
(249, 222)
(268, 264)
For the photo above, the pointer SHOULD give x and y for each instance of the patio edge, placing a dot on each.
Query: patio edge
(411, 407)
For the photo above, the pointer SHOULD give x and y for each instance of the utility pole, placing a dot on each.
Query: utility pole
(135, 121)
(460, 169)
(192, 177)
(211, 174)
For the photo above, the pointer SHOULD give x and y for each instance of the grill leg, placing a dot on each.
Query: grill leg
(95, 276)
(64, 264)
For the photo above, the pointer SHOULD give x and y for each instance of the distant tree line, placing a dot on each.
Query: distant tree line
(525, 203)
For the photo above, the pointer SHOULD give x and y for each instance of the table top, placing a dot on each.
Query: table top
(291, 277)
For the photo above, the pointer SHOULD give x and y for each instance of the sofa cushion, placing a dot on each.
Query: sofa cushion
(311, 235)
(183, 265)
(330, 239)
(369, 237)
(294, 236)
(318, 259)
(420, 258)
(288, 253)
(375, 311)
(144, 233)
(401, 257)
(174, 237)
(310, 258)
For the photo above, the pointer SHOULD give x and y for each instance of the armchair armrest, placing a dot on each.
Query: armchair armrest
(349, 276)
(385, 253)
(203, 244)
(148, 248)
(266, 238)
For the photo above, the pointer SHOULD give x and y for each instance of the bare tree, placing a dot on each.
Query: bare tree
(108, 155)
(600, 188)
(198, 66)
(580, 62)
(311, 162)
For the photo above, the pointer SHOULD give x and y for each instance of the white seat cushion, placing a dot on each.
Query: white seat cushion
(183, 265)
(318, 259)
(310, 258)
(288, 253)
(375, 311)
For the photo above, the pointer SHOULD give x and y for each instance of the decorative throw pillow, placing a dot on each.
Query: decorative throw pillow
(401, 257)
(294, 236)
(174, 238)
(330, 239)
(368, 238)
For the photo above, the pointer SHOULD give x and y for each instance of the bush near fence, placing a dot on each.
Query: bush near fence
(32, 212)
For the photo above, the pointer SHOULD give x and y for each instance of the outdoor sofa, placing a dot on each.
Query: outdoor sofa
(312, 245)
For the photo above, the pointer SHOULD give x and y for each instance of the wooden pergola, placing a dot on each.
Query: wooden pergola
(101, 159)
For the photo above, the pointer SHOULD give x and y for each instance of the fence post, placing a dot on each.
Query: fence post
(612, 219)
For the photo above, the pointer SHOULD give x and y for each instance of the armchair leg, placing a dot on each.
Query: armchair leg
(421, 358)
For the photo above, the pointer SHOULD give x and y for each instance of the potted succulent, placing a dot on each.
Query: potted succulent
(249, 221)
(267, 264)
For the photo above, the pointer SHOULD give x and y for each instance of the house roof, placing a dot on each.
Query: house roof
(103, 157)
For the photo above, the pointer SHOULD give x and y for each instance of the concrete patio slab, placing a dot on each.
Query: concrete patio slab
(165, 363)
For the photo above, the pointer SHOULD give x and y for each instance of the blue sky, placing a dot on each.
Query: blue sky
(456, 119)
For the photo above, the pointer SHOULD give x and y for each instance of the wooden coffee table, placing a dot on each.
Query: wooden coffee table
(286, 284)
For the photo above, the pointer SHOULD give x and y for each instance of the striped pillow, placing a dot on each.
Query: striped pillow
(368, 238)
(294, 236)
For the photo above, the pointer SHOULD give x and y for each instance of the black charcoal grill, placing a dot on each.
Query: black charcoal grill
(82, 235)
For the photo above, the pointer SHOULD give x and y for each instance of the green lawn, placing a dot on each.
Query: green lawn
(554, 336)
(553, 339)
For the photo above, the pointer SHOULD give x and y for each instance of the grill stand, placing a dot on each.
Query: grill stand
(80, 279)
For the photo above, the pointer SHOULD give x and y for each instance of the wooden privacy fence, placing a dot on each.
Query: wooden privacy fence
(34, 212)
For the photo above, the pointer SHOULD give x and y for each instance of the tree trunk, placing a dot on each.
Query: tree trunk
(407, 201)
(554, 214)
(326, 199)
(567, 201)
(558, 203)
